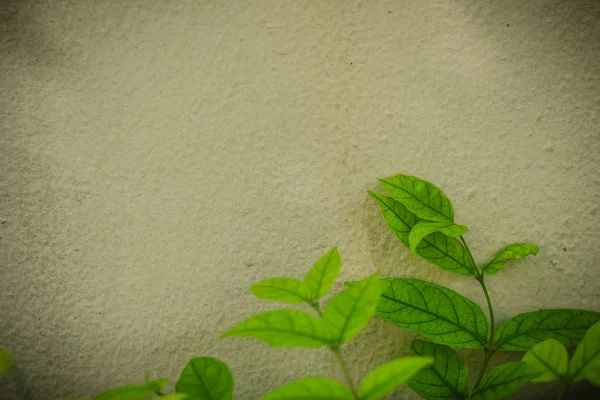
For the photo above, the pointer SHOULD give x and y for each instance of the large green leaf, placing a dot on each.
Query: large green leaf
(504, 380)
(426, 228)
(133, 392)
(319, 388)
(524, 331)
(322, 275)
(287, 290)
(446, 378)
(206, 378)
(550, 358)
(348, 312)
(585, 363)
(390, 376)
(447, 253)
(6, 361)
(511, 252)
(421, 197)
(439, 313)
(283, 328)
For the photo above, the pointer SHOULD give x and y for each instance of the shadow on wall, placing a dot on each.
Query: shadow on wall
(26, 53)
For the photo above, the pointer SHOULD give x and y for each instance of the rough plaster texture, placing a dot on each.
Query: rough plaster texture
(159, 157)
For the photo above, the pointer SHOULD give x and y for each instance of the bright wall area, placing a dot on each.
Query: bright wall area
(159, 157)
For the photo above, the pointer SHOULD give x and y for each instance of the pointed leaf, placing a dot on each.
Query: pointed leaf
(390, 376)
(6, 361)
(421, 197)
(287, 290)
(322, 275)
(585, 363)
(426, 228)
(524, 331)
(348, 312)
(504, 380)
(438, 313)
(283, 328)
(205, 378)
(446, 378)
(511, 252)
(133, 392)
(550, 358)
(447, 253)
(309, 389)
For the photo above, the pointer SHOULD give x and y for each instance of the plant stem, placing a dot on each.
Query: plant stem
(562, 390)
(491, 310)
(486, 360)
(338, 355)
(489, 349)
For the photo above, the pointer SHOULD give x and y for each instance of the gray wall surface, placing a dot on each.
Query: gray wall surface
(159, 157)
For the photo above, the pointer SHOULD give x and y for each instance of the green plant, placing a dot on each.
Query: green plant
(342, 318)
(422, 217)
(551, 359)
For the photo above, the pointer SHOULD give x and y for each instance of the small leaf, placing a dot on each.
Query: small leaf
(585, 363)
(438, 313)
(322, 275)
(550, 358)
(526, 330)
(287, 290)
(347, 313)
(205, 378)
(446, 378)
(421, 197)
(504, 380)
(133, 392)
(447, 253)
(390, 376)
(6, 361)
(511, 252)
(426, 228)
(283, 328)
(309, 389)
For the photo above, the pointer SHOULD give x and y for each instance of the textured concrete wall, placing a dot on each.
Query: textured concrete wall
(159, 157)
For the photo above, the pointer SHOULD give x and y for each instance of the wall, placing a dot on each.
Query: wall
(159, 157)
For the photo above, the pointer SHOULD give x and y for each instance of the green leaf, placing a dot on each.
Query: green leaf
(175, 396)
(309, 389)
(6, 361)
(438, 313)
(390, 376)
(287, 290)
(420, 197)
(446, 378)
(426, 228)
(283, 328)
(585, 363)
(205, 378)
(349, 311)
(511, 252)
(447, 253)
(133, 392)
(550, 358)
(526, 330)
(504, 380)
(322, 275)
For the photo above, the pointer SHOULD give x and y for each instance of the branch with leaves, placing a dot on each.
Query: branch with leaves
(342, 318)
(422, 217)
